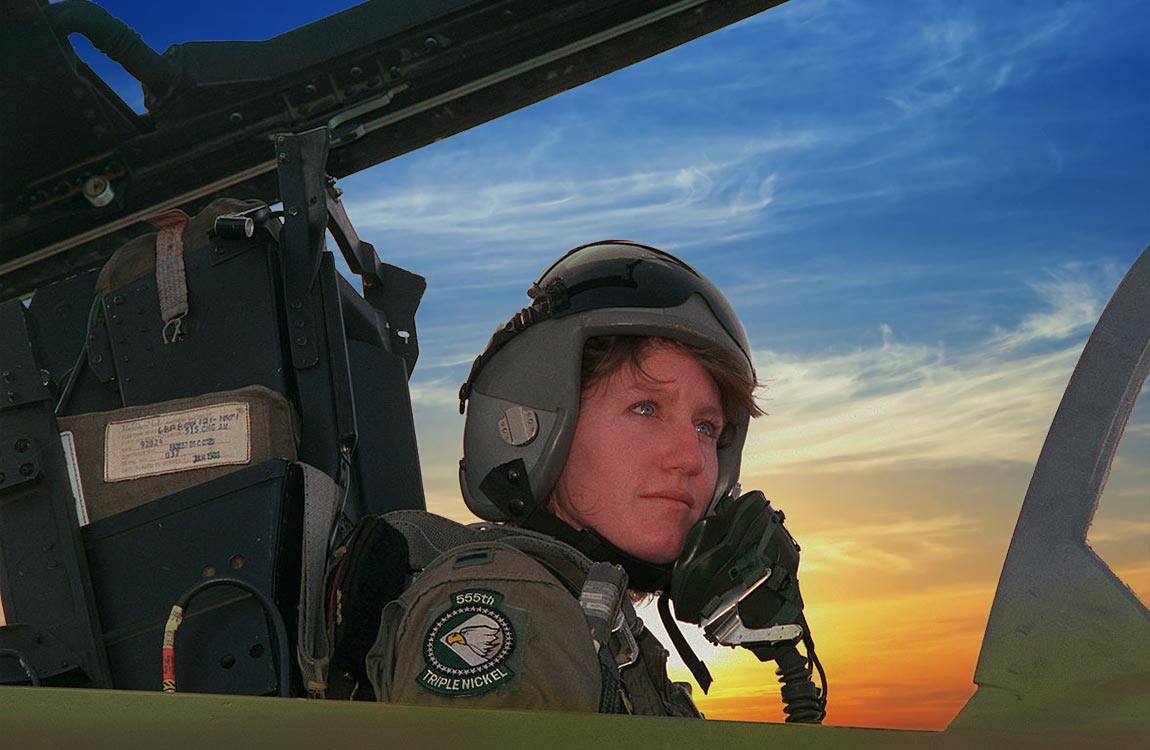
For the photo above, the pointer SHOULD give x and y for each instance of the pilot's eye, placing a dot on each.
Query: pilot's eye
(644, 409)
(708, 428)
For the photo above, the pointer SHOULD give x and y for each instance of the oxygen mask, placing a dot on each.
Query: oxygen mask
(737, 579)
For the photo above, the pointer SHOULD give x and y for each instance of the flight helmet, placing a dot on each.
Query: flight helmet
(522, 395)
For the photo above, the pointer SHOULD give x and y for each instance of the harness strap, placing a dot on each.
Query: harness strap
(171, 280)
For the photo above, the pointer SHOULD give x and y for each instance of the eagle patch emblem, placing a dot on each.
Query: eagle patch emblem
(466, 649)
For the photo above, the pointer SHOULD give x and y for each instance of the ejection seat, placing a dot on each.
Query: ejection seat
(198, 419)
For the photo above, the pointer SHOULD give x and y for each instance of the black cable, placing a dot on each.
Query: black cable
(74, 373)
(273, 614)
(33, 677)
(698, 669)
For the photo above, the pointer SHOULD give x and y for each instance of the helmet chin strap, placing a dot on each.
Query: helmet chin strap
(508, 487)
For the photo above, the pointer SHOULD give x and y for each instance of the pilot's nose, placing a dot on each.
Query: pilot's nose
(684, 450)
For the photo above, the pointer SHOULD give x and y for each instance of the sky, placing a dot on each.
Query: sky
(918, 209)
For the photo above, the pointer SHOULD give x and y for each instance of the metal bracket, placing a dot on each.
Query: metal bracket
(302, 159)
(20, 380)
(730, 631)
(20, 461)
(393, 292)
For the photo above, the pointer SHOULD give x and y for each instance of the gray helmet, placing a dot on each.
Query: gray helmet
(523, 392)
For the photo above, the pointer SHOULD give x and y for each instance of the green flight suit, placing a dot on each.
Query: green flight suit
(488, 625)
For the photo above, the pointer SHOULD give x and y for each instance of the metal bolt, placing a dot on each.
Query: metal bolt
(356, 72)
(282, 156)
(22, 445)
(8, 376)
(516, 506)
(13, 395)
(430, 43)
(118, 300)
(310, 89)
(301, 340)
(236, 117)
(395, 71)
(513, 475)
(27, 470)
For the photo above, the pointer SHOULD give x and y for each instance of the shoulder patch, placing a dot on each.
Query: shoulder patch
(467, 647)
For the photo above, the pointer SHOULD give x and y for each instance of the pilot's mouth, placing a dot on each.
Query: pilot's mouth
(672, 499)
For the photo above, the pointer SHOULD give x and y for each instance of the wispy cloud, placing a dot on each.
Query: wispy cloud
(1119, 530)
(497, 209)
(898, 546)
(988, 401)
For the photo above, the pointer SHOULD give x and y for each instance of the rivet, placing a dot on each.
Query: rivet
(301, 340)
(118, 300)
(27, 470)
(513, 475)
(516, 506)
(310, 89)
(22, 445)
(8, 376)
(430, 42)
(236, 117)
(356, 72)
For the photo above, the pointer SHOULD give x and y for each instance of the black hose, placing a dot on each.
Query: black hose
(115, 39)
(273, 614)
(802, 702)
(33, 677)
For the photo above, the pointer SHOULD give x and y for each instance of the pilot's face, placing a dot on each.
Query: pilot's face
(644, 461)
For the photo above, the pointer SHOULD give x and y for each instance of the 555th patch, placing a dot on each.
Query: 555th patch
(467, 648)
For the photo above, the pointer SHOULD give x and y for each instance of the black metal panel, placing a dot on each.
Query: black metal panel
(245, 525)
(58, 319)
(411, 73)
(231, 334)
(43, 572)
(386, 456)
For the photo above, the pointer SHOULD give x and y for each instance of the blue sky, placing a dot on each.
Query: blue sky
(919, 209)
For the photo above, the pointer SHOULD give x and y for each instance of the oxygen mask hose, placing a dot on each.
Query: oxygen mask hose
(737, 579)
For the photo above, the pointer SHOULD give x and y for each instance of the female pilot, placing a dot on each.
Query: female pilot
(603, 421)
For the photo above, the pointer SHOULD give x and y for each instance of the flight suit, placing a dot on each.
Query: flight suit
(488, 625)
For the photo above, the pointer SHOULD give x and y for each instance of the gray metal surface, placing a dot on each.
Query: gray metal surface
(1063, 626)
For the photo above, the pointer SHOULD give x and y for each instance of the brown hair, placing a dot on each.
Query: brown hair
(603, 356)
